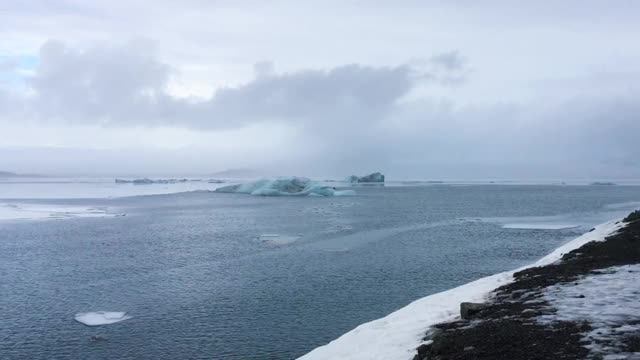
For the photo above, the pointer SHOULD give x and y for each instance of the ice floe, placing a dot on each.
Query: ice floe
(29, 211)
(540, 226)
(396, 336)
(556, 222)
(285, 186)
(101, 317)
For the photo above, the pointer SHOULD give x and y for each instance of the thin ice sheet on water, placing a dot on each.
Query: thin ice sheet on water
(524, 226)
(29, 211)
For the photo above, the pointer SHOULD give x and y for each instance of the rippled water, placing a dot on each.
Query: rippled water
(205, 276)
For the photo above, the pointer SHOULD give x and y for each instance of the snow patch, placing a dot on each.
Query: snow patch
(397, 335)
(608, 301)
(101, 317)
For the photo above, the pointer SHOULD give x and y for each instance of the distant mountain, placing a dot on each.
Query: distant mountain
(7, 174)
(238, 174)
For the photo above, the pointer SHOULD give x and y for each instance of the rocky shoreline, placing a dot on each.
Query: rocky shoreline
(555, 311)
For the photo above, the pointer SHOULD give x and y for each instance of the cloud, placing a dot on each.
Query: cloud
(342, 94)
(335, 120)
(128, 86)
(451, 60)
(102, 84)
(8, 65)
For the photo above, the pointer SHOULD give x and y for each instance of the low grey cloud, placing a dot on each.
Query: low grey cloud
(347, 118)
(127, 85)
(103, 84)
(451, 60)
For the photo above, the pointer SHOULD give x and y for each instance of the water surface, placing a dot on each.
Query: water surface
(201, 282)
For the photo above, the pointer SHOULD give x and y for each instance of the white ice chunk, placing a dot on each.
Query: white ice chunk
(101, 317)
(29, 211)
(524, 226)
(285, 186)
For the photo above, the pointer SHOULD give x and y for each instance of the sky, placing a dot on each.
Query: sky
(415, 89)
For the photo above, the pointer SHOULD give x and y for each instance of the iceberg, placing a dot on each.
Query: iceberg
(147, 181)
(376, 177)
(285, 186)
(101, 317)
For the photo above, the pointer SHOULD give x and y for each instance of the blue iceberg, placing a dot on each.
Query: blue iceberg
(285, 186)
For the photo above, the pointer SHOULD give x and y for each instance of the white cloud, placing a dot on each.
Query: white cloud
(418, 89)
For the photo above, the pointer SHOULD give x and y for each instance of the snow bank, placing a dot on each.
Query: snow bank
(397, 335)
(285, 186)
(101, 317)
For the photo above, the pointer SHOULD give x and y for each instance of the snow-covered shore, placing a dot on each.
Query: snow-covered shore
(397, 335)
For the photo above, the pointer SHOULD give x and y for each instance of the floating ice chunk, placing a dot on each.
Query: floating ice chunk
(539, 226)
(285, 186)
(557, 222)
(101, 317)
(29, 211)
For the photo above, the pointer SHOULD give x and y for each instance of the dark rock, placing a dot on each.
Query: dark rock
(422, 352)
(468, 309)
(633, 216)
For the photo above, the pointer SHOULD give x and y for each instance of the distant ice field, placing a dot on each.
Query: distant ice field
(221, 275)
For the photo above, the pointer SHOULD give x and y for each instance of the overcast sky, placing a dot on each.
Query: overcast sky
(416, 89)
